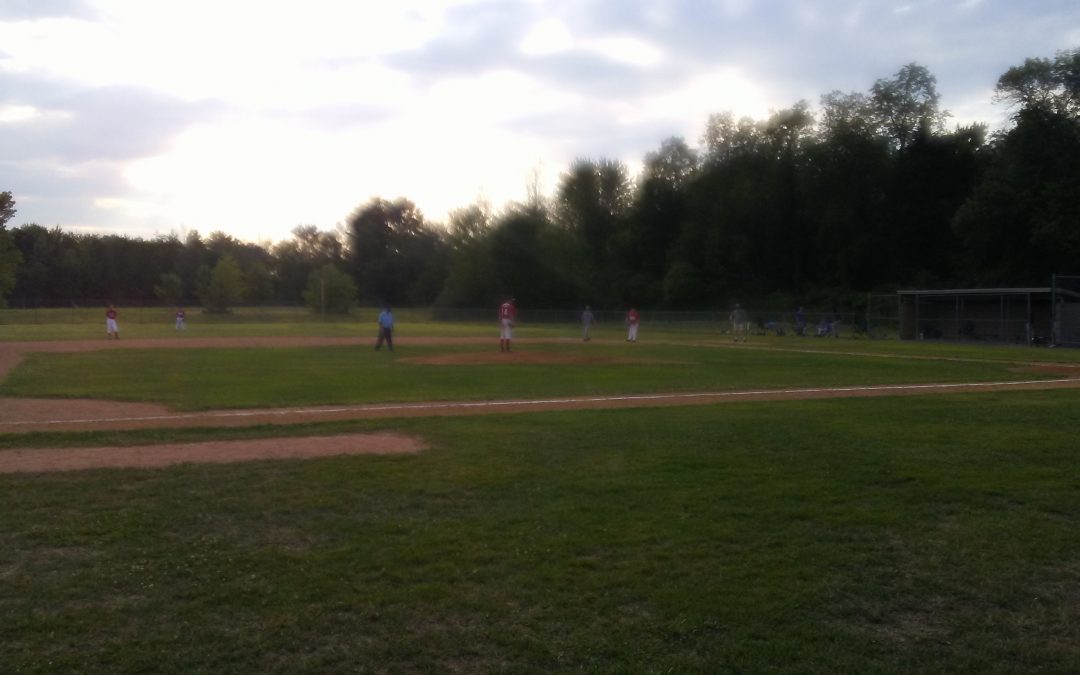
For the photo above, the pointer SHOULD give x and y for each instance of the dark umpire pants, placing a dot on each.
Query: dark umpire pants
(386, 334)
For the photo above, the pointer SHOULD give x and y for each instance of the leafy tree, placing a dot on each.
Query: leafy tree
(535, 261)
(170, 289)
(1021, 223)
(591, 198)
(40, 248)
(469, 225)
(258, 284)
(10, 257)
(655, 220)
(846, 115)
(224, 287)
(7, 209)
(330, 290)
(294, 259)
(926, 185)
(843, 192)
(1050, 86)
(468, 282)
(906, 105)
(592, 202)
(725, 138)
(787, 129)
(393, 255)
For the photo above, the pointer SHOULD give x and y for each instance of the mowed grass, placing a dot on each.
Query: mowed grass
(911, 535)
(190, 379)
(903, 535)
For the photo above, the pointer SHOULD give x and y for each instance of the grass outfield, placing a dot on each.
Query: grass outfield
(923, 534)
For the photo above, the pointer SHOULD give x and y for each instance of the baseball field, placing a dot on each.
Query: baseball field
(279, 497)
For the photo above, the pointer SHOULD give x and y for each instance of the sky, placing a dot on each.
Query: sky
(156, 117)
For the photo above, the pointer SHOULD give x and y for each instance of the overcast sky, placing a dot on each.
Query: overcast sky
(156, 117)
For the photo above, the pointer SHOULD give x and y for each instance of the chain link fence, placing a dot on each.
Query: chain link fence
(1065, 295)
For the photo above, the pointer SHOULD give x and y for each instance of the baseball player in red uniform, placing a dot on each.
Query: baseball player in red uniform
(507, 318)
(112, 329)
(632, 321)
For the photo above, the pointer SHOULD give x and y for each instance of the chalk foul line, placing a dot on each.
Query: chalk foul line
(790, 393)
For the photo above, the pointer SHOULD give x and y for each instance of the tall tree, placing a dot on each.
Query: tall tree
(224, 287)
(907, 105)
(926, 185)
(1021, 223)
(293, 260)
(7, 209)
(535, 261)
(725, 138)
(394, 256)
(846, 115)
(330, 290)
(1050, 86)
(655, 221)
(592, 198)
(470, 274)
(10, 257)
(170, 289)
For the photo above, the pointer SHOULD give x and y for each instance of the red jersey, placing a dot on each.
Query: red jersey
(110, 314)
(507, 311)
(632, 316)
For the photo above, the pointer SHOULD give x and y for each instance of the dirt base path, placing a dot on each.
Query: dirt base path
(39, 460)
(26, 414)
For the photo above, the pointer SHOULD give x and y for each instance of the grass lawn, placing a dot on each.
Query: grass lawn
(896, 535)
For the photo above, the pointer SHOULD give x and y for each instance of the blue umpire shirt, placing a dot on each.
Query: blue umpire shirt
(386, 319)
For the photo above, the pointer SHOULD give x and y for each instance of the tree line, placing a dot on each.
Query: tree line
(869, 192)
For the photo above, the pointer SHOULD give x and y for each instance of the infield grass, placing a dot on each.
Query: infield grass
(193, 379)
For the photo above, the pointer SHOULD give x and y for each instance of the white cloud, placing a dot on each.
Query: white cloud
(255, 116)
(18, 113)
(720, 90)
(260, 178)
(550, 36)
(626, 49)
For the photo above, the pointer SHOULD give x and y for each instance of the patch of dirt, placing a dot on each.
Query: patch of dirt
(41, 460)
(14, 411)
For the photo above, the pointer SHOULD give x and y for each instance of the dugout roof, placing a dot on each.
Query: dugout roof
(976, 291)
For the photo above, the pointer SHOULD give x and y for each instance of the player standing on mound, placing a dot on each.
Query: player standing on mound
(633, 319)
(507, 319)
(112, 329)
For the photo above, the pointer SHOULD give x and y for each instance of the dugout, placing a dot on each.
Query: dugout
(1013, 315)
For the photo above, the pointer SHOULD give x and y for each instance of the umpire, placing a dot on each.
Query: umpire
(386, 329)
